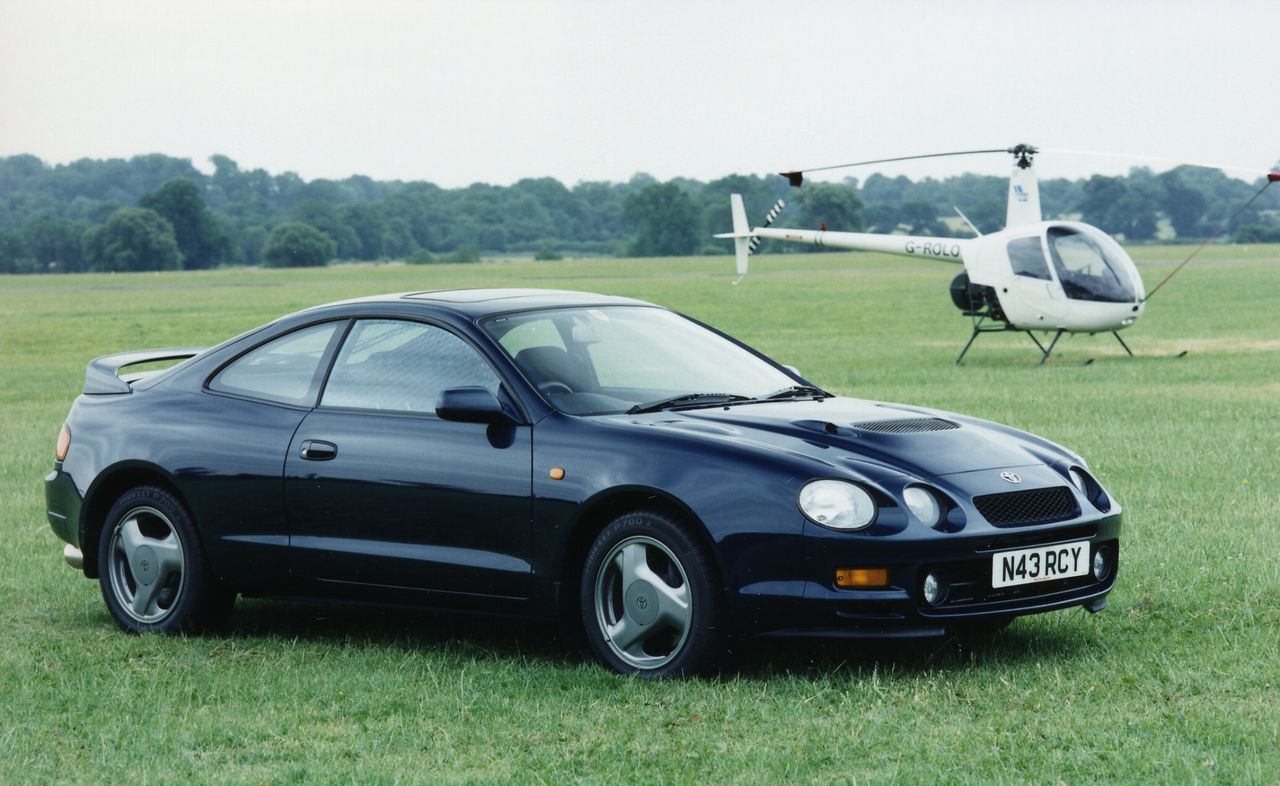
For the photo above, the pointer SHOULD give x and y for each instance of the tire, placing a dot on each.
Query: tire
(651, 602)
(152, 568)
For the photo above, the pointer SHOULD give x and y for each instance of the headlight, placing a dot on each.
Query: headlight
(837, 504)
(1077, 478)
(923, 505)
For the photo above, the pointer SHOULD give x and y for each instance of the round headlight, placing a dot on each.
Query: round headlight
(1077, 478)
(837, 504)
(923, 505)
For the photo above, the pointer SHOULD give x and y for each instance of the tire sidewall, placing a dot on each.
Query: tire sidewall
(705, 641)
(182, 616)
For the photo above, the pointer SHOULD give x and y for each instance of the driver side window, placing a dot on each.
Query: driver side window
(400, 366)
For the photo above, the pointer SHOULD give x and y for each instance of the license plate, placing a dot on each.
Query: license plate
(1043, 563)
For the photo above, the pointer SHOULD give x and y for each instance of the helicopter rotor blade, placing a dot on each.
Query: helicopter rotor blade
(768, 219)
(796, 176)
(1161, 160)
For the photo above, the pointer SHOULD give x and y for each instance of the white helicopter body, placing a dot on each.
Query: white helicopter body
(1033, 275)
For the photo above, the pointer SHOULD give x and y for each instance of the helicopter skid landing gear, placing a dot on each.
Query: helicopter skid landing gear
(982, 324)
(1126, 346)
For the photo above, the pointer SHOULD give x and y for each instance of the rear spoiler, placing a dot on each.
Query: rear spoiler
(102, 375)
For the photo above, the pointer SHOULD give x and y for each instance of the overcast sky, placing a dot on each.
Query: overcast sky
(458, 92)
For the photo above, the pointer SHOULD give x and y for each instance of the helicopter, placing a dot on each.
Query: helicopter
(1032, 276)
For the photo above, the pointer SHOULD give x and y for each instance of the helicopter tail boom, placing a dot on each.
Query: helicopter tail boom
(946, 249)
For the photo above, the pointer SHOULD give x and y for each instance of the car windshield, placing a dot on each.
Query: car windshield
(608, 360)
(1089, 269)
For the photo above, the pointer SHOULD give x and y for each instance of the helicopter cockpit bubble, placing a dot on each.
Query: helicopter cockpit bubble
(1092, 266)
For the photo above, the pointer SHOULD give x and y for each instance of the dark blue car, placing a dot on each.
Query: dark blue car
(560, 455)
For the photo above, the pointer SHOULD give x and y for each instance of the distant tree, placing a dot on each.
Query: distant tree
(366, 222)
(1184, 204)
(881, 218)
(1121, 206)
(397, 239)
(325, 217)
(56, 243)
(666, 220)
(836, 206)
(134, 238)
(466, 253)
(921, 218)
(1258, 233)
(202, 242)
(421, 257)
(1100, 195)
(14, 257)
(547, 253)
(253, 240)
(988, 215)
(295, 244)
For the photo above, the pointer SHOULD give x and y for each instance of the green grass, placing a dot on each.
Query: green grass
(1177, 682)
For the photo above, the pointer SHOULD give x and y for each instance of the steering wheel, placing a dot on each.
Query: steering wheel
(555, 388)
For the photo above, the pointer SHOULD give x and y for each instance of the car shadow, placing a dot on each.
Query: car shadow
(405, 628)
(820, 658)
(495, 638)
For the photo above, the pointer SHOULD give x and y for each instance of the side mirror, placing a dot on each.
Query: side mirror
(471, 405)
(793, 370)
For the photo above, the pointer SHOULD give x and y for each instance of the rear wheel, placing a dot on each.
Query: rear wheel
(152, 571)
(650, 602)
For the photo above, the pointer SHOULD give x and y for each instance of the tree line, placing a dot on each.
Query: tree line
(156, 212)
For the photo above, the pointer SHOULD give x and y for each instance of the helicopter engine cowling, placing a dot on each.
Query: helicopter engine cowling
(975, 299)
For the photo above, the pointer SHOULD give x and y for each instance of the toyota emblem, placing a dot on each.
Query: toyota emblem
(1010, 477)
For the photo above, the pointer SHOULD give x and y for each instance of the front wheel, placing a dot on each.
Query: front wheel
(151, 567)
(651, 605)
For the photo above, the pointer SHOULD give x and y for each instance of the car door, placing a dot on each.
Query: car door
(381, 491)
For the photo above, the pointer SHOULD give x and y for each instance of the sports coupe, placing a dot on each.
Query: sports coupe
(559, 455)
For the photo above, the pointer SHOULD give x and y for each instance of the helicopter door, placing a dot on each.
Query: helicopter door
(1032, 285)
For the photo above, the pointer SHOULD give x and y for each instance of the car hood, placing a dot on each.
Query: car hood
(917, 441)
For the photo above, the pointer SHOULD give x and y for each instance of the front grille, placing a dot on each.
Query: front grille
(1023, 508)
(907, 425)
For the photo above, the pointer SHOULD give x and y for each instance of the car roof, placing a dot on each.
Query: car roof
(483, 302)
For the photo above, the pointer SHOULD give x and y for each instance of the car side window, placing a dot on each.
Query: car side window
(1027, 258)
(286, 369)
(401, 366)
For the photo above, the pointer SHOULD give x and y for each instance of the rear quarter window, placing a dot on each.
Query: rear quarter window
(286, 370)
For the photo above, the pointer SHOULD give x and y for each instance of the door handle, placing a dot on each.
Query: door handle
(318, 450)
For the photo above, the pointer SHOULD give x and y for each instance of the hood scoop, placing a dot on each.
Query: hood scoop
(906, 425)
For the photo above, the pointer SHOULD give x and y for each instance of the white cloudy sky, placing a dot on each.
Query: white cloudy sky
(485, 90)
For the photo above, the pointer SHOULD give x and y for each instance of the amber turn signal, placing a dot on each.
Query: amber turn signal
(556, 473)
(64, 443)
(862, 577)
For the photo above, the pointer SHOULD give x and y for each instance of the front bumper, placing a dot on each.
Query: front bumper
(816, 607)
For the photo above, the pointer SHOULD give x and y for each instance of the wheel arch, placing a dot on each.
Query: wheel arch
(104, 492)
(597, 512)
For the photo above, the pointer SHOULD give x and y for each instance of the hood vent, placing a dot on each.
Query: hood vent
(907, 425)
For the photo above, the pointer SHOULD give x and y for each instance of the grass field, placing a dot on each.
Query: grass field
(1177, 682)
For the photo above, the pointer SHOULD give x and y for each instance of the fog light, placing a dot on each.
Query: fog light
(935, 590)
(862, 577)
(1100, 564)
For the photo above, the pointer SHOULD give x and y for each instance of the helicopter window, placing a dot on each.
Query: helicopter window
(1087, 270)
(1026, 255)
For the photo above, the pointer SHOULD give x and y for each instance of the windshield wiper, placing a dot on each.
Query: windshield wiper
(796, 391)
(686, 399)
